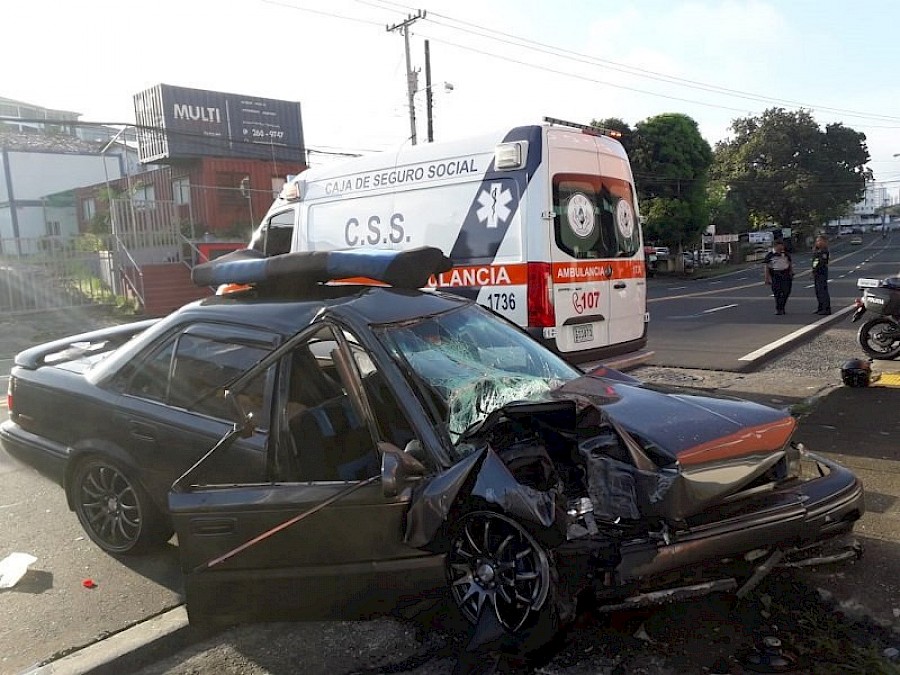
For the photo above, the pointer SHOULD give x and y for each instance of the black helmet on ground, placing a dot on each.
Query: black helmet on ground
(856, 373)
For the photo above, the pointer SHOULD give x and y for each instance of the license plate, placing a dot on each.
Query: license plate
(583, 333)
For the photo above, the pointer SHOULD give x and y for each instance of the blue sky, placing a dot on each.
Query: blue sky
(509, 61)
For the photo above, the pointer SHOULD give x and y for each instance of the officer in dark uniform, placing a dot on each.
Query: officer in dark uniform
(779, 274)
(820, 274)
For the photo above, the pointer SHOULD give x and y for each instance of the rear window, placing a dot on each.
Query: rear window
(594, 217)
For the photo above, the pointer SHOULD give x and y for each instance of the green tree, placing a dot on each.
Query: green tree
(727, 209)
(671, 161)
(786, 169)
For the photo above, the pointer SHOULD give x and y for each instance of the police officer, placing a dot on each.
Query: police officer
(820, 275)
(779, 270)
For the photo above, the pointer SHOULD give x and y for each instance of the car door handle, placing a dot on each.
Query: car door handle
(142, 431)
(620, 285)
(212, 526)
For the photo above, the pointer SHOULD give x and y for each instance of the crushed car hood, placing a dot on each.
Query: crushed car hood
(691, 429)
(638, 455)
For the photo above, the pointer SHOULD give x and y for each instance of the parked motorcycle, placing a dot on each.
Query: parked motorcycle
(879, 336)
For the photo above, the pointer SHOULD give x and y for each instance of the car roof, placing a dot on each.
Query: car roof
(288, 315)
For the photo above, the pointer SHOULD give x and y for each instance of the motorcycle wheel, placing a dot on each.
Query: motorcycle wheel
(880, 338)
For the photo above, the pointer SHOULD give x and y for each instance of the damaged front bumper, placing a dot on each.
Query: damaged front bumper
(794, 520)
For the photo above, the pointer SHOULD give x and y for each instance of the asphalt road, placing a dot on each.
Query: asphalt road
(728, 322)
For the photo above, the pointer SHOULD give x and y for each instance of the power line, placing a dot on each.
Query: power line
(320, 12)
(517, 41)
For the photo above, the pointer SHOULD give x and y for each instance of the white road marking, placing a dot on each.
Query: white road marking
(718, 309)
(762, 351)
(677, 288)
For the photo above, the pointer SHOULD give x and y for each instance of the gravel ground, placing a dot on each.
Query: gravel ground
(805, 372)
(821, 356)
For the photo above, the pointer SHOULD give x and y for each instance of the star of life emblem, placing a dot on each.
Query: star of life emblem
(494, 202)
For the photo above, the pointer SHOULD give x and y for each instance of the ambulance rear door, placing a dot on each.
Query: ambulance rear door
(594, 237)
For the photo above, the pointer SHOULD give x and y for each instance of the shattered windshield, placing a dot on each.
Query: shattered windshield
(469, 364)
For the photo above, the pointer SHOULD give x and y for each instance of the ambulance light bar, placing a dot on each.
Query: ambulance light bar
(586, 128)
(508, 156)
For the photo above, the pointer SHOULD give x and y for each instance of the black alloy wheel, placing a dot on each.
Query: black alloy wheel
(114, 510)
(495, 565)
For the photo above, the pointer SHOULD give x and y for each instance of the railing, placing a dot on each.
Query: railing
(135, 285)
(195, 255)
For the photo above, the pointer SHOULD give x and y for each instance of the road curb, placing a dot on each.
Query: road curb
(126, 650)
(755, 358)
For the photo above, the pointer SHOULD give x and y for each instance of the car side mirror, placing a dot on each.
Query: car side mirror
(397, 468)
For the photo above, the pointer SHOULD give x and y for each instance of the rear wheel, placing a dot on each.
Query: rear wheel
(495, 565)
(114, 510)
(880, 338)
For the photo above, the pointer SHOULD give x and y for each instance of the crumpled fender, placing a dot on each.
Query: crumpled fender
(483, 475)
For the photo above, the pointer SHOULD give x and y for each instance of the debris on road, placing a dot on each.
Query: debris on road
(13, 567)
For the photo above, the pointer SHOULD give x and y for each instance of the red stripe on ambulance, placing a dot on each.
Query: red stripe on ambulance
(596, 270)
(481, 275)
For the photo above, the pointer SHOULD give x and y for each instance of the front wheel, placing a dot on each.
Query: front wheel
(114, 510)
(880, 338)
(495, 565)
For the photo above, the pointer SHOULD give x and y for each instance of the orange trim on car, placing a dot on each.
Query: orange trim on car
(761, 438)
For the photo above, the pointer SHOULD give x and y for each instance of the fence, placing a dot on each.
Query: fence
(52, 273)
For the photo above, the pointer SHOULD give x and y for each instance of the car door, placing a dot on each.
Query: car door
(172, 411)
(324, 539)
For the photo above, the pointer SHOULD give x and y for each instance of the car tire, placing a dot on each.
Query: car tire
(494, 564)
(115, 511)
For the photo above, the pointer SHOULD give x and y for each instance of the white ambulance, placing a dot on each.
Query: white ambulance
(540, 221)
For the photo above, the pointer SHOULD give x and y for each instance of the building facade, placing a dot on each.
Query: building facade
(869, 212)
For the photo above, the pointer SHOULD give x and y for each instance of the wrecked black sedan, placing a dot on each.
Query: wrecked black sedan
(332, 449)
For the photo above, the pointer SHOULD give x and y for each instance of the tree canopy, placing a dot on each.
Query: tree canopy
(671, 161)
(786, 169)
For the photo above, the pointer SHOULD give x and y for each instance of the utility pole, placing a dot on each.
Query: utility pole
(429, 107)
(403, 27)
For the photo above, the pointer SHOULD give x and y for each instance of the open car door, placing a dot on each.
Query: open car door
(327, 542)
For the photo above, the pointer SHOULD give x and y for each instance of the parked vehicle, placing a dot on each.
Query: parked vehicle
(541, 223)
(651, 261)
(324, 449)
(880, 335)
(856, 240)
(711, 258)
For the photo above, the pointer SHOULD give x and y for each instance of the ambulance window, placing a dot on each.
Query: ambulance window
(594, 217)
(274, 236)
